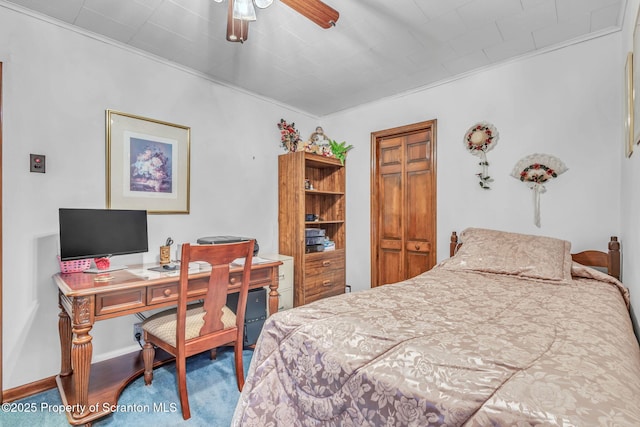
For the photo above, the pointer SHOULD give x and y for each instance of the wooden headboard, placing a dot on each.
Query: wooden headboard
(592, 258)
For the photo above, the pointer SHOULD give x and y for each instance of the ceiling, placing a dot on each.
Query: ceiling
(378, 48)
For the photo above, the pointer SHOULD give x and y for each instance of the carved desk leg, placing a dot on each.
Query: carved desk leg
(148, 354)
(273, 293)
(64, 330)
(81, 352)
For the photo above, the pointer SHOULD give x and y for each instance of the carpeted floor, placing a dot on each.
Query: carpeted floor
(213, 394)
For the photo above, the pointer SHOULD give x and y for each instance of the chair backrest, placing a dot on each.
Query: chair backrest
(219, 256)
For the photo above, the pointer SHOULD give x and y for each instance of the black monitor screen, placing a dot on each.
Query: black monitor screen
(94, 233)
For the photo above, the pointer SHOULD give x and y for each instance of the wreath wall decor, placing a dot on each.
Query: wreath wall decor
(479, 139)
(536, 170)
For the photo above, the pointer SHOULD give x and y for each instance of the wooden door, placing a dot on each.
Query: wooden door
(403, 202)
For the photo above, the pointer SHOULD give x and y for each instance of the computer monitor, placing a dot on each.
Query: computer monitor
(96, 233)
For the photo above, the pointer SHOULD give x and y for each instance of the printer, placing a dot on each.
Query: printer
(213, 240)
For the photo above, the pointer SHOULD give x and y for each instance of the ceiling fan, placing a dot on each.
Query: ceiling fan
(241, 12)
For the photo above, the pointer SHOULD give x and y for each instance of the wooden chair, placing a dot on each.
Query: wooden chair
(188, 330)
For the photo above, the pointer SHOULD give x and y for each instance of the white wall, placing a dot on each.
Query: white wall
(57, 86)
(566, 103)
(630, 196)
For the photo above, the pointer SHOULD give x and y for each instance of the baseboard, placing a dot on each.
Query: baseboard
(45, 384)
(29, 389)
(119, 352)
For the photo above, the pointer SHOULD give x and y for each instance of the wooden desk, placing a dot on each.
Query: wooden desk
(92, 390)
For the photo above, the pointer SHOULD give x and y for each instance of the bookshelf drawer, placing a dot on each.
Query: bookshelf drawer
(322, 262)
(325, 285)
(324, 274)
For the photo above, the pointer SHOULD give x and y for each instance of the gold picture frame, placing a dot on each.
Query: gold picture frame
(629, 106)
(148, 164)
(635, 72)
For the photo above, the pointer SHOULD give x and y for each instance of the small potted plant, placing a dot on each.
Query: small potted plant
(340, 149)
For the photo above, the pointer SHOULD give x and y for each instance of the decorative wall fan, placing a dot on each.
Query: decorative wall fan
(241, 12)
(535, 170)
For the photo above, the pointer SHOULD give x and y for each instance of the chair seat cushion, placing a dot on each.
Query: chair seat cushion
(163, 325)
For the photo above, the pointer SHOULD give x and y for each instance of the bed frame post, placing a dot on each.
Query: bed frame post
(614, 257)
(453, 246)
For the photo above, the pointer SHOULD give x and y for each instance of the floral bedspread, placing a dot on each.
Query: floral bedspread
(450, 348)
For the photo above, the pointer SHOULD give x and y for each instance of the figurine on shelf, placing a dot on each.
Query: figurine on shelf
(311, 147)
(325, 150)
(308, 185)
(318, 137)
(318, 143)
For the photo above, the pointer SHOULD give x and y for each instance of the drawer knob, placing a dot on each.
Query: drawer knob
(232, 280)
(167, 292)
(327, 283)
(417, 247)
(326, 263)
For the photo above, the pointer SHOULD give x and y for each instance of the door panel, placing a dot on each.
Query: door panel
(391, 233)
(390, 270)
(390, 155)
(418, 147)
(391, 209)
(417, 207)
(403, 210)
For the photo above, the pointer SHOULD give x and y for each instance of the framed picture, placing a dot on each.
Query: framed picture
(635, 70)
(629, 107)
(147, 164)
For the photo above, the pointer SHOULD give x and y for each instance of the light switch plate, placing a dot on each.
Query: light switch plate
(37, 163)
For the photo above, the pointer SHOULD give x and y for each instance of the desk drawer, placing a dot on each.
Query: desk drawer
(119, 301)
(169, 292)
(198, 287)
(257, 276)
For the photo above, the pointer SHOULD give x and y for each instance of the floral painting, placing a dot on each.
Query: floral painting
(147, 164)
(151, 166)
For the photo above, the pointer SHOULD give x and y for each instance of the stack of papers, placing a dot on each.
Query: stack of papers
(255, 260)
(329, 245)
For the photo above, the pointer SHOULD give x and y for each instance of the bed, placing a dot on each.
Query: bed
(508, 331)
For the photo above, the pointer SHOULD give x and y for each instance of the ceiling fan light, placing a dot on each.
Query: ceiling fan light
(262, 3)
(244, 10)
(237, 29)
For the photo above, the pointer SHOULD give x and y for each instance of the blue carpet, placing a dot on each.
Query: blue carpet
(213, 394)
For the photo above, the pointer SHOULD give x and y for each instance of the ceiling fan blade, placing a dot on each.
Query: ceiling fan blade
(315, 10)
(237, 29)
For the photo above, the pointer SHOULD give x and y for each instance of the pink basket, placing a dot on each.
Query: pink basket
(74, 266)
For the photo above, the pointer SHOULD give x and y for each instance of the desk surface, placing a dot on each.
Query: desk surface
(84, 284)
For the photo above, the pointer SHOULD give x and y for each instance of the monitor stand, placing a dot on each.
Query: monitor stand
(106, 270)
